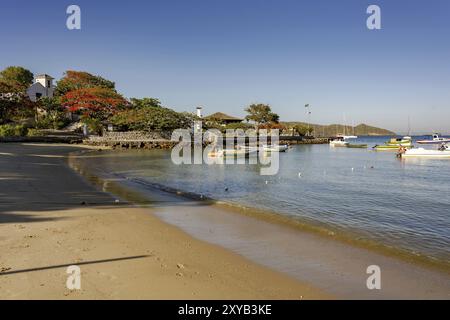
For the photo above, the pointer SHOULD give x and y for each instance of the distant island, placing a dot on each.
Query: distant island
(334, 129)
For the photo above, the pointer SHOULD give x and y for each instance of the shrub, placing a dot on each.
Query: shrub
(13, 130)
(47, 122)
(32, 132)
(54, 115)
(94, 125)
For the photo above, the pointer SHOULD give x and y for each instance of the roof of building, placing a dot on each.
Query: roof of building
(222, 116)
(44, 76)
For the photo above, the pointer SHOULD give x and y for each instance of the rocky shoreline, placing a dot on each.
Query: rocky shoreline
(130, 140)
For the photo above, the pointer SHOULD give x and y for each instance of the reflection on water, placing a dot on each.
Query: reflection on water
(402, 203)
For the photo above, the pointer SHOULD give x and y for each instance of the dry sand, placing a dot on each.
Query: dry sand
(51, 218)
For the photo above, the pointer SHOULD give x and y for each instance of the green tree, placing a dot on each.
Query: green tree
(145, 102)
(53, 114)
(75, 80)
(18, 78)
(261, 114)
(148, 117)
(301, 129)
(14, 104)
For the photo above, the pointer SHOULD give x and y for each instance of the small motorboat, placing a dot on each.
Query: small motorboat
(240, 151)
(276, 148)
(357, 146)
(435, 140)
(405, 141)
(385, 147)
(338, 142)
(442, 152)
(395, 144)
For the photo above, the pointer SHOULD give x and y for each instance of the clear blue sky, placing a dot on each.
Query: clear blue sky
(226, 54)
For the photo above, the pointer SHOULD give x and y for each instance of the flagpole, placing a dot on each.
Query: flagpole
(309, 116)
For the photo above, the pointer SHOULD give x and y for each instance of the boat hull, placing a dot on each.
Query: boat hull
(357, 146)
(389, 148)
(338, 144)
(434, 141)
(280, 148)
(423, 153)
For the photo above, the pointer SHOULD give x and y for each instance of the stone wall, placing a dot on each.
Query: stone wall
(155, 140)
(155, 144)
(283, 140)
(131, 140)
(130, 136)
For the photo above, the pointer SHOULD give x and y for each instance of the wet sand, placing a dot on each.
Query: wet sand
(336, 267)
(51, 218)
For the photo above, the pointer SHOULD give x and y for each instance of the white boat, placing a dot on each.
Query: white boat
(436, 140)
(442, 152)
(276, 148)
(238, 152)
(339, 142)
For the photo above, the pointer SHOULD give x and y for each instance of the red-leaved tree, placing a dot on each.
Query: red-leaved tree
(97, 102)
(75, 80)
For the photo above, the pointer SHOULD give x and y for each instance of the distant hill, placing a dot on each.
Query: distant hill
(334, 129)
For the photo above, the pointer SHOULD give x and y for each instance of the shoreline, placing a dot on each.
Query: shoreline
(50, 217)
(119, 185)
(349, 237)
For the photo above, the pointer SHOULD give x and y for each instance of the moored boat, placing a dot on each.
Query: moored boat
(237, 152)
(436, 139)
(386, 147)
(395, 144)
(276, 148)
(338, 141)
(442, 152)
(356, 146)
(405, 141)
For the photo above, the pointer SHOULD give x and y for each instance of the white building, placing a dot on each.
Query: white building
(42, 87)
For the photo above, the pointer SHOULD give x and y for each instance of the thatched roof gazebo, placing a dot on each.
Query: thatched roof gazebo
(223, 118)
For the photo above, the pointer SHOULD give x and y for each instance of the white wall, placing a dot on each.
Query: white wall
(39, 88)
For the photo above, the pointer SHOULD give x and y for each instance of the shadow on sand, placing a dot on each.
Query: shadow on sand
(5, 273)
(37, 178)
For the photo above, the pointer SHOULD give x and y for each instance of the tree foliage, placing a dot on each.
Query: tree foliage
(303, 130)
(148, 115)
(272, 125)
(15, 110)
(145, 102)
(18, 79)
(95, 102)
(261, 114)
(75, 80)
(14, 103)
(53, 114)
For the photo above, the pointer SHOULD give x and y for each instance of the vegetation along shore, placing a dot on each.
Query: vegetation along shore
(86, 107)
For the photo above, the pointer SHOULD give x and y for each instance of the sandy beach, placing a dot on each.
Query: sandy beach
(153, 244)
(334, 264)
(51, 218)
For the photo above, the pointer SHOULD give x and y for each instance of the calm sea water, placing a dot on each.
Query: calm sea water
(401, 203)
